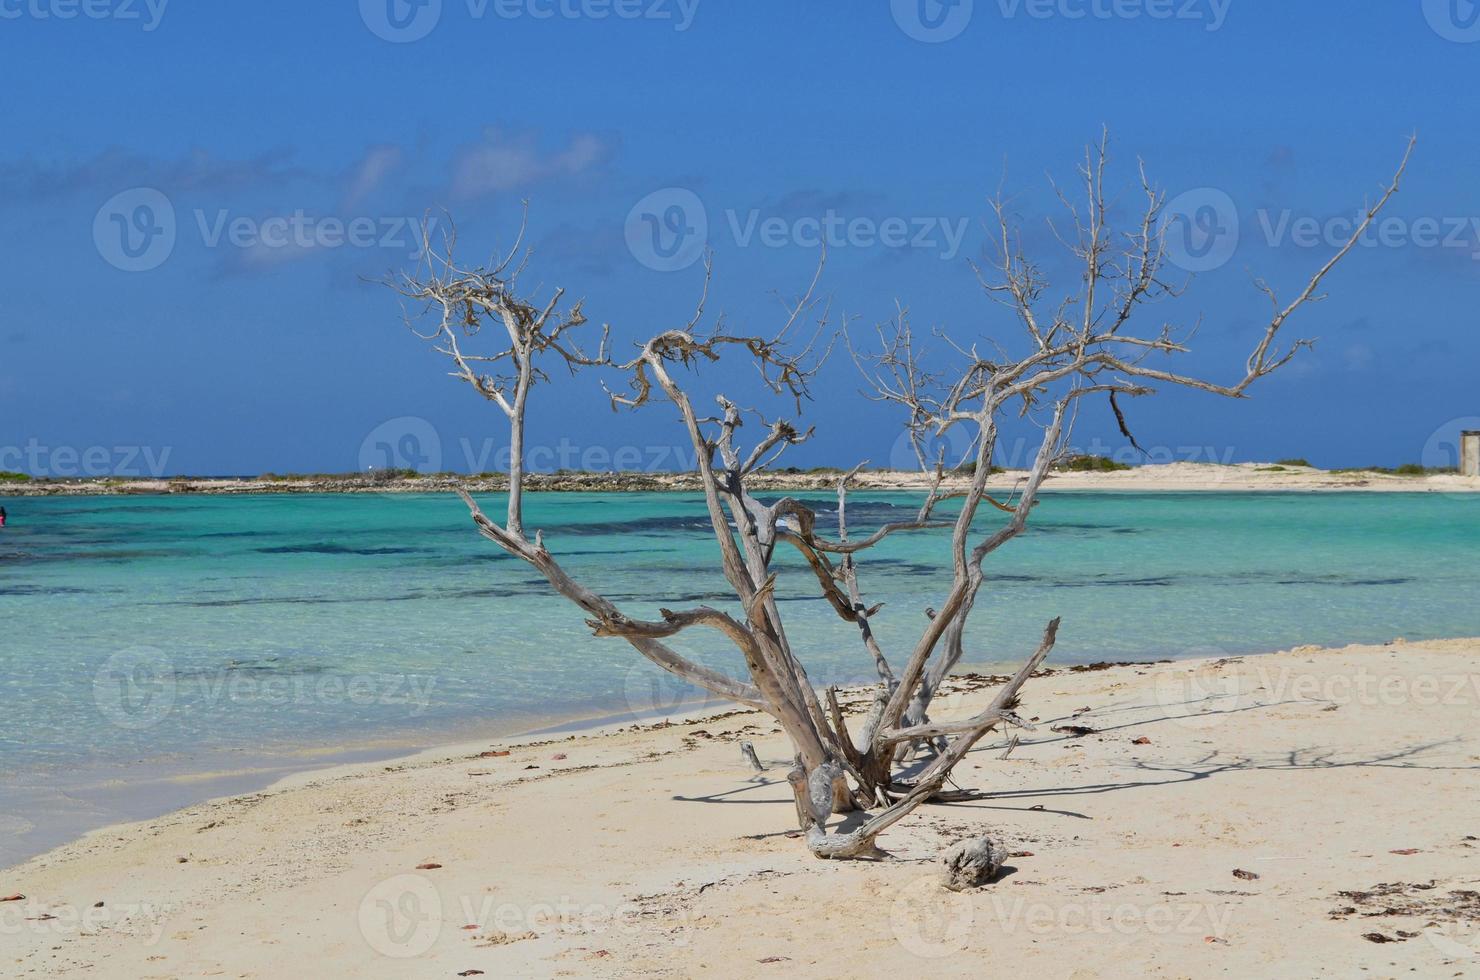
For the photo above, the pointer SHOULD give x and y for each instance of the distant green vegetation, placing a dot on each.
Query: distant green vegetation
(1297, 461)
(810, 471)
(1091, 464)
(969, 468)
(374, 476)
(6, 476)
(1407, 469)
(1270, 469)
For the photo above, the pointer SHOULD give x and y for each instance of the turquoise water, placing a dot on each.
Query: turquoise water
(177, 634)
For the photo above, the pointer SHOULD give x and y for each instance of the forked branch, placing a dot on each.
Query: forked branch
(1063, 353)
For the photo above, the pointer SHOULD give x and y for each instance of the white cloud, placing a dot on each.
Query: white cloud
(505, 161)
(378, 163)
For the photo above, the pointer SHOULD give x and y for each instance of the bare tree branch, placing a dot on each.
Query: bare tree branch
(1088, 342)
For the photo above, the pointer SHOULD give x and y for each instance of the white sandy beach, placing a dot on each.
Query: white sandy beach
(1339, 783)
(1165, 478)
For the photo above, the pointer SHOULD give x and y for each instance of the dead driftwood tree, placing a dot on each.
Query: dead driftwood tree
(1083, 346)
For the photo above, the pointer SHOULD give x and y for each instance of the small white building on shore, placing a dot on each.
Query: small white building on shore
(1469, 453)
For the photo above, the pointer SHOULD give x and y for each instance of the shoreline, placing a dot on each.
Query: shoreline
(125, 799)
(121, 802)
(340, 763)
(1241, 757)
(1155, 478)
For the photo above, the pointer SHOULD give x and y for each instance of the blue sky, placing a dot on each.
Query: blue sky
(236, 353)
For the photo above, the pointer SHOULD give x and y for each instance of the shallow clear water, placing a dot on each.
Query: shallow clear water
(190, 634)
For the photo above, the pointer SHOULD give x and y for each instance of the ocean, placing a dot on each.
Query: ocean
(158, 650)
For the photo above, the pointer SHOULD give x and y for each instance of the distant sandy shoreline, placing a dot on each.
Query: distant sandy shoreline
(1168, 478)
(1258, 815)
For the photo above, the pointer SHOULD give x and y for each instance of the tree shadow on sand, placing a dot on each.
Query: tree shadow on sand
(1216, 762)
